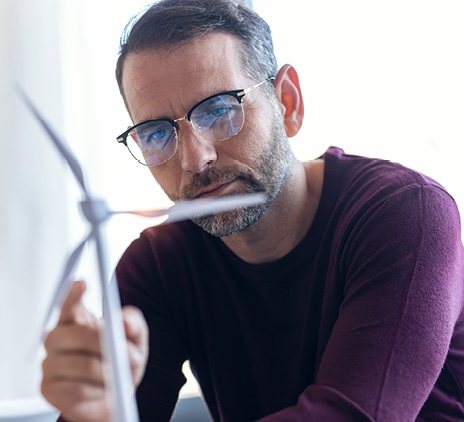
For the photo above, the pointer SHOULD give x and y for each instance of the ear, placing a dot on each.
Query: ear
(288, 93)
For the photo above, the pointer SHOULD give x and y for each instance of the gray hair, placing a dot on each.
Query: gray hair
(171, 23)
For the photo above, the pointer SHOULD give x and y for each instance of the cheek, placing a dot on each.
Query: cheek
(256, 135)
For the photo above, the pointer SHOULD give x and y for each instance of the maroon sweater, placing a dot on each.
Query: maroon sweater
(362, 321)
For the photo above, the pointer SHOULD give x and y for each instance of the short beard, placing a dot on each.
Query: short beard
(230, 222)
(272, 167)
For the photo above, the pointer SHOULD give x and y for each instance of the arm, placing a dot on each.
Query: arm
(403, 282)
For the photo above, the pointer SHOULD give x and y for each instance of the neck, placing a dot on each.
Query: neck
(286, 221)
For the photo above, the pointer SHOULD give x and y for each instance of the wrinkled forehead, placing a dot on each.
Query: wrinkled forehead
(184, 75)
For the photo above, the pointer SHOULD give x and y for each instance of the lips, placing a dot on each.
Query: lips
(212, 191)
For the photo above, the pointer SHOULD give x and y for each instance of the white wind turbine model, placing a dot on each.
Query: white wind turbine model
(96, 211)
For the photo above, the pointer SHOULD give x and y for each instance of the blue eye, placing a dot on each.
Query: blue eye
(218, 111)
(154, 135)
(158, 134)
(218, 118)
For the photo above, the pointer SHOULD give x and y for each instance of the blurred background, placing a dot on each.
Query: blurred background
(382, 79)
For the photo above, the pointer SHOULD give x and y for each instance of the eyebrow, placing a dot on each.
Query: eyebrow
(237, 91)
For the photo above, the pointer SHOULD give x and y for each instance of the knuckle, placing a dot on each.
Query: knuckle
(78, 391)
(45, 389)
(56, 395)
(73, 337)
(88, 334)
(45, 366)
(49, 366)
(91, 366)
(49, 340)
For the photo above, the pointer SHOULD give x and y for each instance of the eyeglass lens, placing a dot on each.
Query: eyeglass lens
(216, 119)
(153, 143)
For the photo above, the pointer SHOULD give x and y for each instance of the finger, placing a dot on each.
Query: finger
(137, 362)
(135, 326)
(73, 309)
(137, 337)
(65, 338)
(78, 400)
(64, 393)
(78, 368)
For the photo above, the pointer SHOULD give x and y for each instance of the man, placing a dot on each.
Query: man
(339, 299)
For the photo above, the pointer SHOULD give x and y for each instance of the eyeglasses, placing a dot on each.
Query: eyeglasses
(216, 118)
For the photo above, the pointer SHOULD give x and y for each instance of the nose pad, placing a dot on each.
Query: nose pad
(195, 152)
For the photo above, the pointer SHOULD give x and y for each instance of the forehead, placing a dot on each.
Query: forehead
(161, 81)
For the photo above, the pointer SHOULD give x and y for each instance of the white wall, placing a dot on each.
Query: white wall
(380, 78)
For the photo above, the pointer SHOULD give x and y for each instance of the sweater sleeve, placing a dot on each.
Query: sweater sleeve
(402, 270)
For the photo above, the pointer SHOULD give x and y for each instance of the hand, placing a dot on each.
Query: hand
(73, 379)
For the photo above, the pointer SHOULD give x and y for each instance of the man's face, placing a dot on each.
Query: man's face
(160, 84)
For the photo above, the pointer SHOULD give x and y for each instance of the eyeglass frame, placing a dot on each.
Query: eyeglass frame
(237, 94)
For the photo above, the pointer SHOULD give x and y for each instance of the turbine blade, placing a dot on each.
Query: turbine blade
(122, 394)
(184, 210)
(63, 285)
(60, 145)
(123, 404)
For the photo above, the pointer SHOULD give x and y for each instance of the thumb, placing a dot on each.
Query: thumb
(135, 326)
(137, 337)
(73, 309)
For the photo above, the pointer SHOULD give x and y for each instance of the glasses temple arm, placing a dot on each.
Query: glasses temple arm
(246, 91)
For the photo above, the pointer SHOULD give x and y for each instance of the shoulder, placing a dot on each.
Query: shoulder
(376, 205)
(358, 182)
(355, 169)
(388, 222)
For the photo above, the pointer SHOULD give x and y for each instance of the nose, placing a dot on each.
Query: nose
(195, 152)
